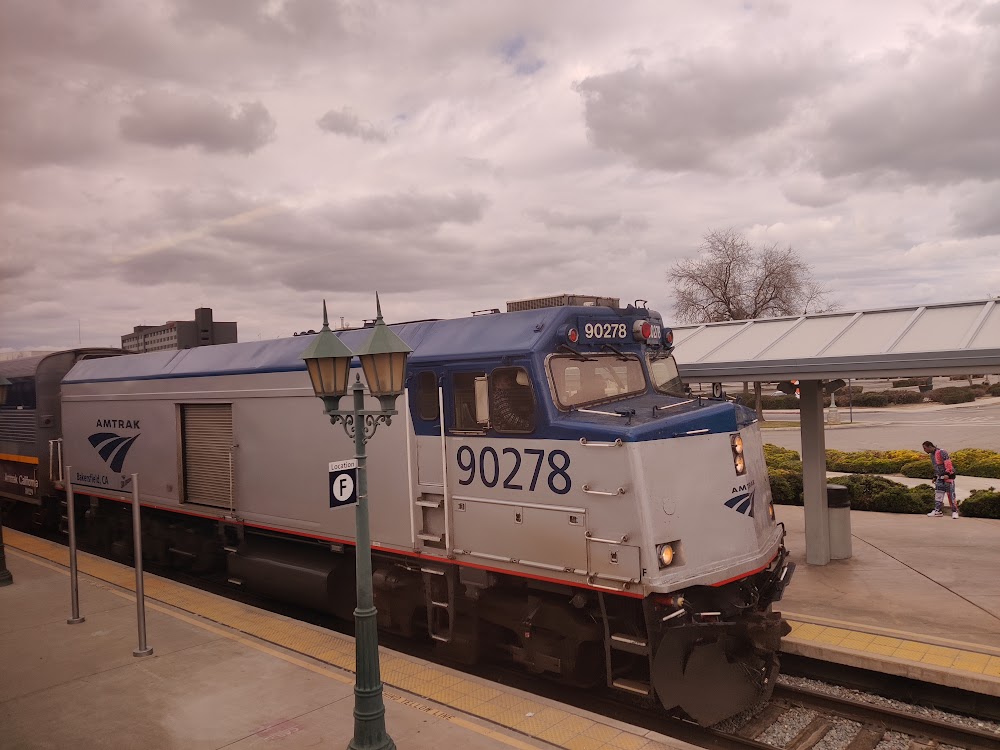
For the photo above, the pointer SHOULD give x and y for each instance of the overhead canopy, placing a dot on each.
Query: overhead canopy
(945, 339)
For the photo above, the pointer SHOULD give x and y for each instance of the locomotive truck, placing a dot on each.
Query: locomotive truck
(550, 495)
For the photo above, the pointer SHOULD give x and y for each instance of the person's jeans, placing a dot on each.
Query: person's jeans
(940, 494)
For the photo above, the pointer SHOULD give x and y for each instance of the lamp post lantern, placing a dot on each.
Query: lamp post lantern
(6, 579)
(383, 359)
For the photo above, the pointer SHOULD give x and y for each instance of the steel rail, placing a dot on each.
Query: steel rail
(892, 719)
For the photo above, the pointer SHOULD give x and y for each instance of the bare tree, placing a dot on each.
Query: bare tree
(732, 279)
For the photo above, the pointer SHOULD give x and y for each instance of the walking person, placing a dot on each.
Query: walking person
(944, 479)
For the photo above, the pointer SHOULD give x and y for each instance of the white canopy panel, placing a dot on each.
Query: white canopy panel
(945, 339)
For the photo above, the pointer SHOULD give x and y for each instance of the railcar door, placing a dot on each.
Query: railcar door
(427, 425)
(207, 454)
(429, 493)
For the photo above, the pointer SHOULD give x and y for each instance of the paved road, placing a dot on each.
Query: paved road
(960, 426)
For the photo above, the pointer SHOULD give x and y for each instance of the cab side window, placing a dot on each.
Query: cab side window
(427, 396)
(512, 401)
(464, 387)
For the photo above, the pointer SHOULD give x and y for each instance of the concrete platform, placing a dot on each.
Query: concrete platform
(919, 598)
(226, 675)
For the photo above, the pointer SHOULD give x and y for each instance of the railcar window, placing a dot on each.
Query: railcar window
(464, 384)
(427, 395)
(597, 378)
(512, 402)
(666, 379)
(21, 394)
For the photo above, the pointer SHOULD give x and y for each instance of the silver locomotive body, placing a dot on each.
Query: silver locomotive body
(546, 494)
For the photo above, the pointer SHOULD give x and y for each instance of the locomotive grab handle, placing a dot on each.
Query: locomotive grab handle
(617, 444)
(55, 460)
(624, 538)
(672, 406)
(592, 582)
(586, 488)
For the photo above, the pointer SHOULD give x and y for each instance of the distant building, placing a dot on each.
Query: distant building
(180, 334)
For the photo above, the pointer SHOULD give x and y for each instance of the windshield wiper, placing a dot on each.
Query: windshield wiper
(578, 356)
(618, 352)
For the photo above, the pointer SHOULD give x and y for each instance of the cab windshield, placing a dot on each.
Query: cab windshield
(663, 371)
(595, 378)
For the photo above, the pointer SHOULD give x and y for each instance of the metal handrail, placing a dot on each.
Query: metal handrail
(617, 444)
(622, 540)
(586, 488)
(55, 460)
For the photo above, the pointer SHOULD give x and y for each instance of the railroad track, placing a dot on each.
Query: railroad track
(799, 718)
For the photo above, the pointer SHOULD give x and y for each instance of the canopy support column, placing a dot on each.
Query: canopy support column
(817, 514)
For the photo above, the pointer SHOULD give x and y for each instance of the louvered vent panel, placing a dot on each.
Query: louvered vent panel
(208, 438)
(18, 425)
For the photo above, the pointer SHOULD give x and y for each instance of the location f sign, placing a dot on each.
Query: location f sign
(343, 483)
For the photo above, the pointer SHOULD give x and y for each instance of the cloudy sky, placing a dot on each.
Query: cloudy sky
(256, 156)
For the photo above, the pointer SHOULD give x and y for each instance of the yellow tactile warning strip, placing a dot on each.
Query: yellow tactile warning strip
(909, 649)
(529, 717)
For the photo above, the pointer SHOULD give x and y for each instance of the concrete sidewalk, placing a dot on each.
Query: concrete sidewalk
(963, 485)
(227, 675)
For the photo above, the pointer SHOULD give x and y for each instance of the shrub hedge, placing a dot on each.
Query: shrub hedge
(786, 486)
(976, 462)
(769, 402)
(782, 458)
(973, 462)
(885, 496)
(994, 390)
(904, 397)
(872, 462)
(952, 395)
(867, 492)
(921, 469)
(982, 504)
(876, 493)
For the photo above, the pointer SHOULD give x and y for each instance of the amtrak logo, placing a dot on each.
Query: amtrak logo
(742, 503)
(113, 448)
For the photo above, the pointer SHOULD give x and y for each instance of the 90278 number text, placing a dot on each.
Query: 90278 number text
(487, 467)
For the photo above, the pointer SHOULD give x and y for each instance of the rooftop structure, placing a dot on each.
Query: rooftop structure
(180, 334)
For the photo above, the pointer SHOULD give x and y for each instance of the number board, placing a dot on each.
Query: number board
(603, 330)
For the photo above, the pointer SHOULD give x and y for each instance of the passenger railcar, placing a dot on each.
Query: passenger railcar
(549, 494)
(30, 423)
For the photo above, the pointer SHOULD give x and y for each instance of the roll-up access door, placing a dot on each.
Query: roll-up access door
(207, 436)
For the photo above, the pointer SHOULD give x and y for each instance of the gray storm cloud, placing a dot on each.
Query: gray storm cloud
(411, 211)
(345, 122)
(928, 115)
(170, 120)
(684, 116)
(596, 223)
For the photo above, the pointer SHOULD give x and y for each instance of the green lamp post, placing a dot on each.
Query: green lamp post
(6, 579)
(383, 359)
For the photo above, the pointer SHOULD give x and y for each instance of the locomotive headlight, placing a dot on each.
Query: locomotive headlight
(739, 461)
(664, 555)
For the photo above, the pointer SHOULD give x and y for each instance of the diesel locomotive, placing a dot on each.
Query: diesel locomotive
(550, 495)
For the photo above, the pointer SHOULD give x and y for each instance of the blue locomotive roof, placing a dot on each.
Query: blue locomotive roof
(477, 337)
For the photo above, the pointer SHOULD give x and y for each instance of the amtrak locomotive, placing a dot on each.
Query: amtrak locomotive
(550, 495)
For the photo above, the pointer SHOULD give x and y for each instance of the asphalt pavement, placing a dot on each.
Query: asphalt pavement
(973, 425)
